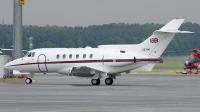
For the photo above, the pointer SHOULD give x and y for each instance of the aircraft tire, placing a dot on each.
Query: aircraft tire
(95, 81)
(109, 81)
(28, 81)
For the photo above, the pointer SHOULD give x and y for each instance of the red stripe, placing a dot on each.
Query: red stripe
(124, 60)
(150, 59)
(92, 61)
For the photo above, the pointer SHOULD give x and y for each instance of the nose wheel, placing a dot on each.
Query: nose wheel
(95, 81)
(28, 81)
(109, 81)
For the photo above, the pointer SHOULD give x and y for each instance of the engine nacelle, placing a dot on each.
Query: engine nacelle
(113, 60)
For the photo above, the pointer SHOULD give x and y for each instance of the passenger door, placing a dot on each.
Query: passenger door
(42, 63)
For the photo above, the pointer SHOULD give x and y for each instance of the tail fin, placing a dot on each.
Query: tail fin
(159, 40)
(173, 25)
(155, 45)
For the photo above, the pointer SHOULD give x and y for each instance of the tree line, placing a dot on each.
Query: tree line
(113, 33)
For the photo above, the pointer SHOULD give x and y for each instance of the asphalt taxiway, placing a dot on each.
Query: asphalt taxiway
(129, 93)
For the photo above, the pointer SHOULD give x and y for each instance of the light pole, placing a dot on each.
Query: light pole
(17, 29)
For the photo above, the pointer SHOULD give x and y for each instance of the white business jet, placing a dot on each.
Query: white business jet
(105, 61)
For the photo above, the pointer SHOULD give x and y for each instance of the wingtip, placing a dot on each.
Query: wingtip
(187, 32)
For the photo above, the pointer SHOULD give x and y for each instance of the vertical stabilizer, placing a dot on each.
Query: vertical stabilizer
(155, 45)
(159, 40)
(173, 25)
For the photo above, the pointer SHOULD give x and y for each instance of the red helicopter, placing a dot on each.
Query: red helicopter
(192, 62)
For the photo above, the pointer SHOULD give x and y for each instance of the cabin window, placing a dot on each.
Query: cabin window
(84, 56)
(77, 56)
(58, 56)
(33, 54)
(91, 56)
(64, 56)
(70, 56)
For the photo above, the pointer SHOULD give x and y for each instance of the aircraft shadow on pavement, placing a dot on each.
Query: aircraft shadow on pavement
(88, 85)
(114, 85)
(67, 84)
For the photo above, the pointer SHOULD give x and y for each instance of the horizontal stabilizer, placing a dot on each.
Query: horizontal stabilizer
(173, 31)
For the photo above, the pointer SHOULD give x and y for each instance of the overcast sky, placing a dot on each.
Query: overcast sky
(98, 12)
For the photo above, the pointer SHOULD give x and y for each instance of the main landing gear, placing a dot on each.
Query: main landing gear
(108, 81)
(96, 81)
(28, 81)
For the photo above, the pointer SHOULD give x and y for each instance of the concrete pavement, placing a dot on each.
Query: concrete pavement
(129, 93)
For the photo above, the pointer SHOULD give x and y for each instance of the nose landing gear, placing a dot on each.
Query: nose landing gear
(28, 81)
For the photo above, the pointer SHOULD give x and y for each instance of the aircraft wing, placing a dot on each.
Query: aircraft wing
(100, 69)
(88, 71)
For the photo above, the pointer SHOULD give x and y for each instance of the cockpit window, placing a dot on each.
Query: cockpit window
(26, 54)
(30, 54)
(33, 54)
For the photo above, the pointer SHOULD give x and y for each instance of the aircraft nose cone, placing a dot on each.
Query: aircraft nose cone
(6, 66)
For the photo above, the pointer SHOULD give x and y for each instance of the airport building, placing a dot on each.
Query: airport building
(3, 60)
